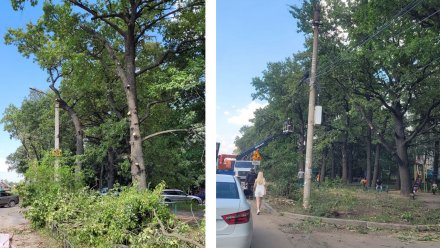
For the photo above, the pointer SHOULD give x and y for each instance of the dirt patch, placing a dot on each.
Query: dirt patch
(26, 237)
(330, 235)
(372, 206)
(13, 223)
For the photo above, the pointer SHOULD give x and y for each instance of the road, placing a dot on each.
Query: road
(273, 230)
(13, 223)
(11, 218)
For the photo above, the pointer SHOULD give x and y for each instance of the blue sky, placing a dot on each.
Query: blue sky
(250, 34)
(17, 75)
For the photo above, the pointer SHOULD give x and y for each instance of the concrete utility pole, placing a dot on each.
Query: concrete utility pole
(56, 152)
(57, 135)
(311, 115)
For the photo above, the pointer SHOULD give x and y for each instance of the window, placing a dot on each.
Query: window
(227, 190)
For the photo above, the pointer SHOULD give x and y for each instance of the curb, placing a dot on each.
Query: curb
(362, 223)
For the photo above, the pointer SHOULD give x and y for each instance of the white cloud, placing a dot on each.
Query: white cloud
(227, 145)
(227, 113)
(243, 115)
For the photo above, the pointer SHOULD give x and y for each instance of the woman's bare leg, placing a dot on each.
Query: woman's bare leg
(258, 204)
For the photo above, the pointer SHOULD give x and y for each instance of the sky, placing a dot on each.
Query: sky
(249, 35)
(17, 75)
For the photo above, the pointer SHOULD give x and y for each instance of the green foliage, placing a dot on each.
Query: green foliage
(87, 218)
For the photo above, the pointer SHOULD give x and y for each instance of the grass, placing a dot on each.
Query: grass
(353, 203)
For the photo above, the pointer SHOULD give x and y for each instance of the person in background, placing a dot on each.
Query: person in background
(434, 187)
(318, 178)
(364, 183)
(260, 190)
(379, 184)
(250, 181)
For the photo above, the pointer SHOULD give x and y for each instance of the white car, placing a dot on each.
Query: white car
(177, 195)
(233, 215)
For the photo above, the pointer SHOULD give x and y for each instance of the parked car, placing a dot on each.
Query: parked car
(8, 199)
(177, 195)
(233, 214)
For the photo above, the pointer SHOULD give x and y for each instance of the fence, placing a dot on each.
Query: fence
(59, 235)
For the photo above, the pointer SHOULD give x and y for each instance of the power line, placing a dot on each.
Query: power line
(382, 28)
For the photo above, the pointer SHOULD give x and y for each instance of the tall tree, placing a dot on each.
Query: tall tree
(125, 30)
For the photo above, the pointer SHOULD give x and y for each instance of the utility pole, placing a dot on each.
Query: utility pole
(56, 152)
(311, 114)
(57, 136)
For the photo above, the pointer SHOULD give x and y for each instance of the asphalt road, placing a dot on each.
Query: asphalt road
(11, 218)
(267, 231)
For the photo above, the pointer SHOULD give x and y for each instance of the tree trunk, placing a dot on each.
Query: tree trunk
(398, 180)
(332, 157)
(110, 167)
(323, 165)
(402, 155)
(350, 163)
(344, 160)
(376, 165)
(101, 176)
(369, 152)
(138, 172)
(436, 160)
(79, 135)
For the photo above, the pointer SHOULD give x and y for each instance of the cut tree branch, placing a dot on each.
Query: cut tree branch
(174, 235)
(165, 132)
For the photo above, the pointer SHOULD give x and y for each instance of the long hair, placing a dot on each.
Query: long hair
(260, 178)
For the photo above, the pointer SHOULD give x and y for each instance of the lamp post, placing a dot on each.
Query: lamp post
(57, 152)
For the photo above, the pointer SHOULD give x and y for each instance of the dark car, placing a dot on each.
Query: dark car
(8, 199)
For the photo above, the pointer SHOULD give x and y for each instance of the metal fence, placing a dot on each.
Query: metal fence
(59, 235)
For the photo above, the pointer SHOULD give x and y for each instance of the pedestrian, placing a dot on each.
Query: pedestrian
(250, 181)
(260, 190)
(318, 178)
(301, 177)
(417, 183)
(434, 187)
(379, 184)
(364, 183)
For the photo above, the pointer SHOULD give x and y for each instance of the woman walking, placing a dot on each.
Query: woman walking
(260, 190)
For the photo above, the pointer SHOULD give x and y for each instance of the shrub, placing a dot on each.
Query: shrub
(133, 217)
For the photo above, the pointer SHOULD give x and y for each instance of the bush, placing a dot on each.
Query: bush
(133, 217)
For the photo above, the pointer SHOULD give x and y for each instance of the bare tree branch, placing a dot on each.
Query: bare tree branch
(96, 16)
(151, 104)
(164, 232)
(110, 50)
(379, 133)
(166, 54)
(165, 132)
(423, 123)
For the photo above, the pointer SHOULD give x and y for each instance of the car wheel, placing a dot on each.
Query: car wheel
(167, 200)
(11, 204)
(195, 201)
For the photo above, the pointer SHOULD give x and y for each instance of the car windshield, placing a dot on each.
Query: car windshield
(247, 165)
(227, 190)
